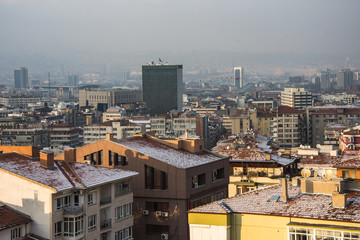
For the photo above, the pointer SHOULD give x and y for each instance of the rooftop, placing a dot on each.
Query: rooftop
(65, 175)
(288, 110)
(315, 206)
(175, 157)
(10, 218)
(349, 159)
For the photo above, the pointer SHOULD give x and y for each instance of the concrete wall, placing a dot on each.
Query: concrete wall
(30, 198)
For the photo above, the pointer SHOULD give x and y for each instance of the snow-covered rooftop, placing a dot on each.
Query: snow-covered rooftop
(299, 205)
(175, 157)
(65, 175)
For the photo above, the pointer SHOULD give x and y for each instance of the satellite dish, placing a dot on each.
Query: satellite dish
(328, 174)
(321, 172)
(305, 173)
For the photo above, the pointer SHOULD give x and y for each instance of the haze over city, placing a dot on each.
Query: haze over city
(270, 36)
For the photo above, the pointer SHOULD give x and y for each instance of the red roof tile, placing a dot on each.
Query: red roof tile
(10, 218)
(288, 110)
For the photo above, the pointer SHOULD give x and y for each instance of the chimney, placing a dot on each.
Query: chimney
(47, 159)
(70, 154)
(186, 133)
(284, 184)
(110, 136)
(339, 200)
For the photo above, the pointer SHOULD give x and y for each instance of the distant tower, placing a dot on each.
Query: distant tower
(162, 87)
(21, 77)
(344, 79)
(239, 77)
(325, 79)
(73, 80)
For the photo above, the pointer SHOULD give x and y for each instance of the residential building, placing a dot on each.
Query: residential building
(13, 224)
(103, 99)
(64, 135)
(162, 87)
(18, 101)
(325, 79)
(68, 200)
(37, 137)
(21, 78)
(287, 127)
(112, 114)
(120, 129)
(296, 98)
(175, 175)
(345, 78)
(262, 105)
(332, 134)
(253, 163)
(314, 208)
(239, 77)
(350, 139)
(237, 124)
(319, 117)
(73, 80)
(260, 121)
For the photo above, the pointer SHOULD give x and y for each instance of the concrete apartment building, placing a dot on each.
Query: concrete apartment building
(287, 127)
(103, 99)
(64, 135)
(21, 78)
(37, 137)
(178, 125)
(237, 123)
(120, 129)
(68, 200)
(320, 117)
(18, 101)
(296, 98)
(175, 175)
(162, 87)
(260, 121)
(112, 114)
(345, 79)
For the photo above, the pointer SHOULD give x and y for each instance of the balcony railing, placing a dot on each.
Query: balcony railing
(74, 210)
(105, 200)
(105, 224)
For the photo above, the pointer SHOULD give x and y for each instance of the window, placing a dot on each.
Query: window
(198, 181)
(155, 178)
(62, 202)
(15, 233)
(100, 157)
(218, 174)
(58, 229)
(157, 206)
(91, 198)
(122, 188)
(123, 211)
(76, 200)
(297, 233)
(92, 222)
(111, 156)
(124, 234)
(73, 226)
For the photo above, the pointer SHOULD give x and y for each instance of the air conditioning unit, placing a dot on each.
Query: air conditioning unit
(164, 214)
(145, 212)
(158, 213)
(164, 236)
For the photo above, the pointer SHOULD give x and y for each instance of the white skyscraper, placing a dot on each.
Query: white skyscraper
(239, 77)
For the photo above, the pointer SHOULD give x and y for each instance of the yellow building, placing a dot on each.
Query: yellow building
(237, 124)
(309, 209)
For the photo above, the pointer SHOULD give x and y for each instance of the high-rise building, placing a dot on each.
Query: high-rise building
(239, 77)
(344, 78)
(162, 87)
(73, 80)
(21, 77)
(296, 98)
(325, 79)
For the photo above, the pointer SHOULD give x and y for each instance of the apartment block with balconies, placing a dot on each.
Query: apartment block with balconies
(68, 200)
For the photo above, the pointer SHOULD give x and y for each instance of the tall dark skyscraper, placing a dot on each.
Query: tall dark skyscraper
(162, 87)
(21, 77)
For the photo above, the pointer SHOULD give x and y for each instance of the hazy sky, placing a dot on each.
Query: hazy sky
(252, 26)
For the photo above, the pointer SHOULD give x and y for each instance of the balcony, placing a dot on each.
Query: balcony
(105, 200)
(74, 210)
(105, 224)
